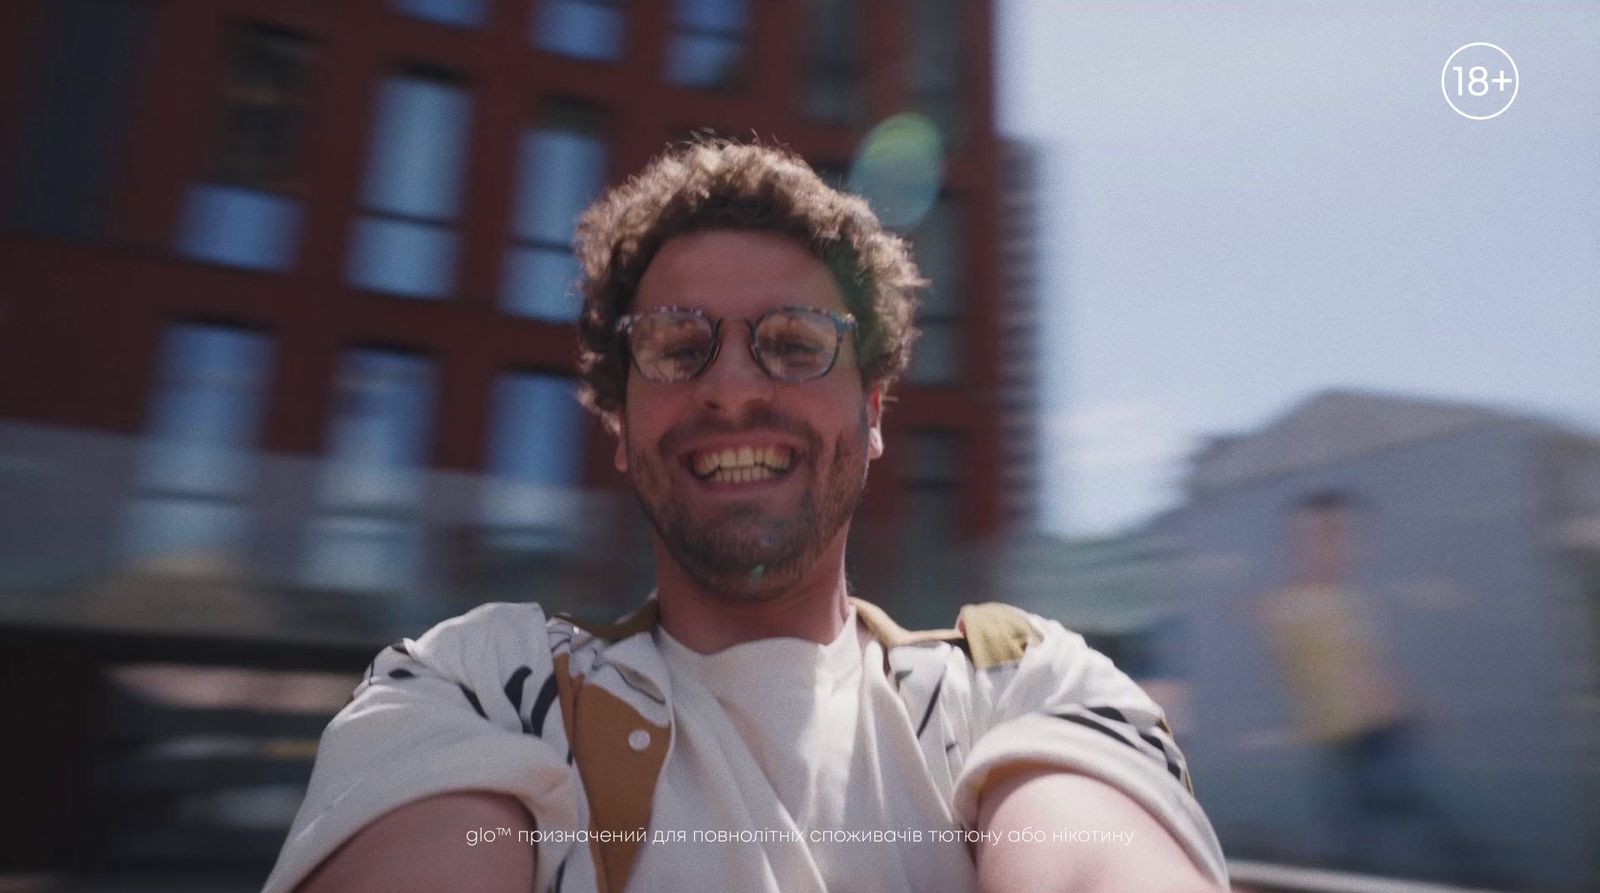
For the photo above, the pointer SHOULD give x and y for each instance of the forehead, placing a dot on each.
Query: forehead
(735, 273)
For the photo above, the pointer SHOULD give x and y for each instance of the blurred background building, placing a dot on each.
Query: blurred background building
(287, 353)
(1474, 549)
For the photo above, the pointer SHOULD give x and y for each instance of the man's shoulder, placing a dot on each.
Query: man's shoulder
(985, 635)
(496, 632)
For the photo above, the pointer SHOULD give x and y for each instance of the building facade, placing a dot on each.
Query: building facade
(279, 266)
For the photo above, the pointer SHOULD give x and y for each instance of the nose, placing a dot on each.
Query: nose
(734, 382)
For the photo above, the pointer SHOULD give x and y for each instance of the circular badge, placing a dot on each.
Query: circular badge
(1479, 81)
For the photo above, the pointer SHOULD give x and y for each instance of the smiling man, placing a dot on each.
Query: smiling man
(753, 726)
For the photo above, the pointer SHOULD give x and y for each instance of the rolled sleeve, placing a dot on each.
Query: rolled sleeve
(451, 711)
(1066, 705)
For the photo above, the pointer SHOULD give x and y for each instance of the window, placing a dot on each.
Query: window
(936, 358)
(834, 87)
(368, 534)
(535, 462)
(707, 46)
(582, 29)
(463, 13)
(934, 65)
(405, 243)
(562, 168)
(92, 56)
(197, 464)
(245, 212)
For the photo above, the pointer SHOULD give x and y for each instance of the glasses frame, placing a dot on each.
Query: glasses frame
(841, 324)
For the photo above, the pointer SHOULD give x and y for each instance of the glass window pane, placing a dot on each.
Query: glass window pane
(92, 55)
(239, 227)
(466, 13)
(704, 60)
(206, 416)
(379, 434)
(584, 29)
(416, 260)
(711, 15)
(936, 357)
(535, 463)
(537, 432)
(419, 142)
(540, 282)
(561, 172)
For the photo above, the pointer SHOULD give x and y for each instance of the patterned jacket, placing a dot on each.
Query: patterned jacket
(575, 720)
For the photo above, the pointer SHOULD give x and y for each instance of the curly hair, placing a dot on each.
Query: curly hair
(720, 185)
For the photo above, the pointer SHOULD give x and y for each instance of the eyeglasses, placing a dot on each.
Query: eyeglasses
(792, 344)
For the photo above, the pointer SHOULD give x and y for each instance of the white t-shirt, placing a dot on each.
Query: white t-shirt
(805, 742)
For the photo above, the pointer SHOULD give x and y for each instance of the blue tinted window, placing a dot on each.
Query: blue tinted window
(239, 227)
(419, 143)
(466, 13)
(403, 257)
(206, 415)
(244, 213)
(379, 436)
(198, 461)
(405, 244)
(561, 168)
(540, 283)
(537, 431)
(583, 29)
(727, 16)
(369, 535)
(535, 463)
(707, 46)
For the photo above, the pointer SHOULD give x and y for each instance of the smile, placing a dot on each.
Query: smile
(741, 464)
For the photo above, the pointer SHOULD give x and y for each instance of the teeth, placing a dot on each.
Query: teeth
(745, 458)
(742, 475)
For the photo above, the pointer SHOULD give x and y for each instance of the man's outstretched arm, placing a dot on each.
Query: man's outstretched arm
(1134, 853)
(422, 847)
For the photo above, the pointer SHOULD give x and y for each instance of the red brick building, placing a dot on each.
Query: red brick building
(336, 234)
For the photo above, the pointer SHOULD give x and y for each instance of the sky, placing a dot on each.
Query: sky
(1246, 203)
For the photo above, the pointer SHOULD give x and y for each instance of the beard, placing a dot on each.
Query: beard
(753, 551)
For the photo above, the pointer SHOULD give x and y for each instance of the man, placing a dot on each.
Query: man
(753, 727)
(1349, 701)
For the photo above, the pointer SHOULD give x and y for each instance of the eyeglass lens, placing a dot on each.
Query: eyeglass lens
(792, 345)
